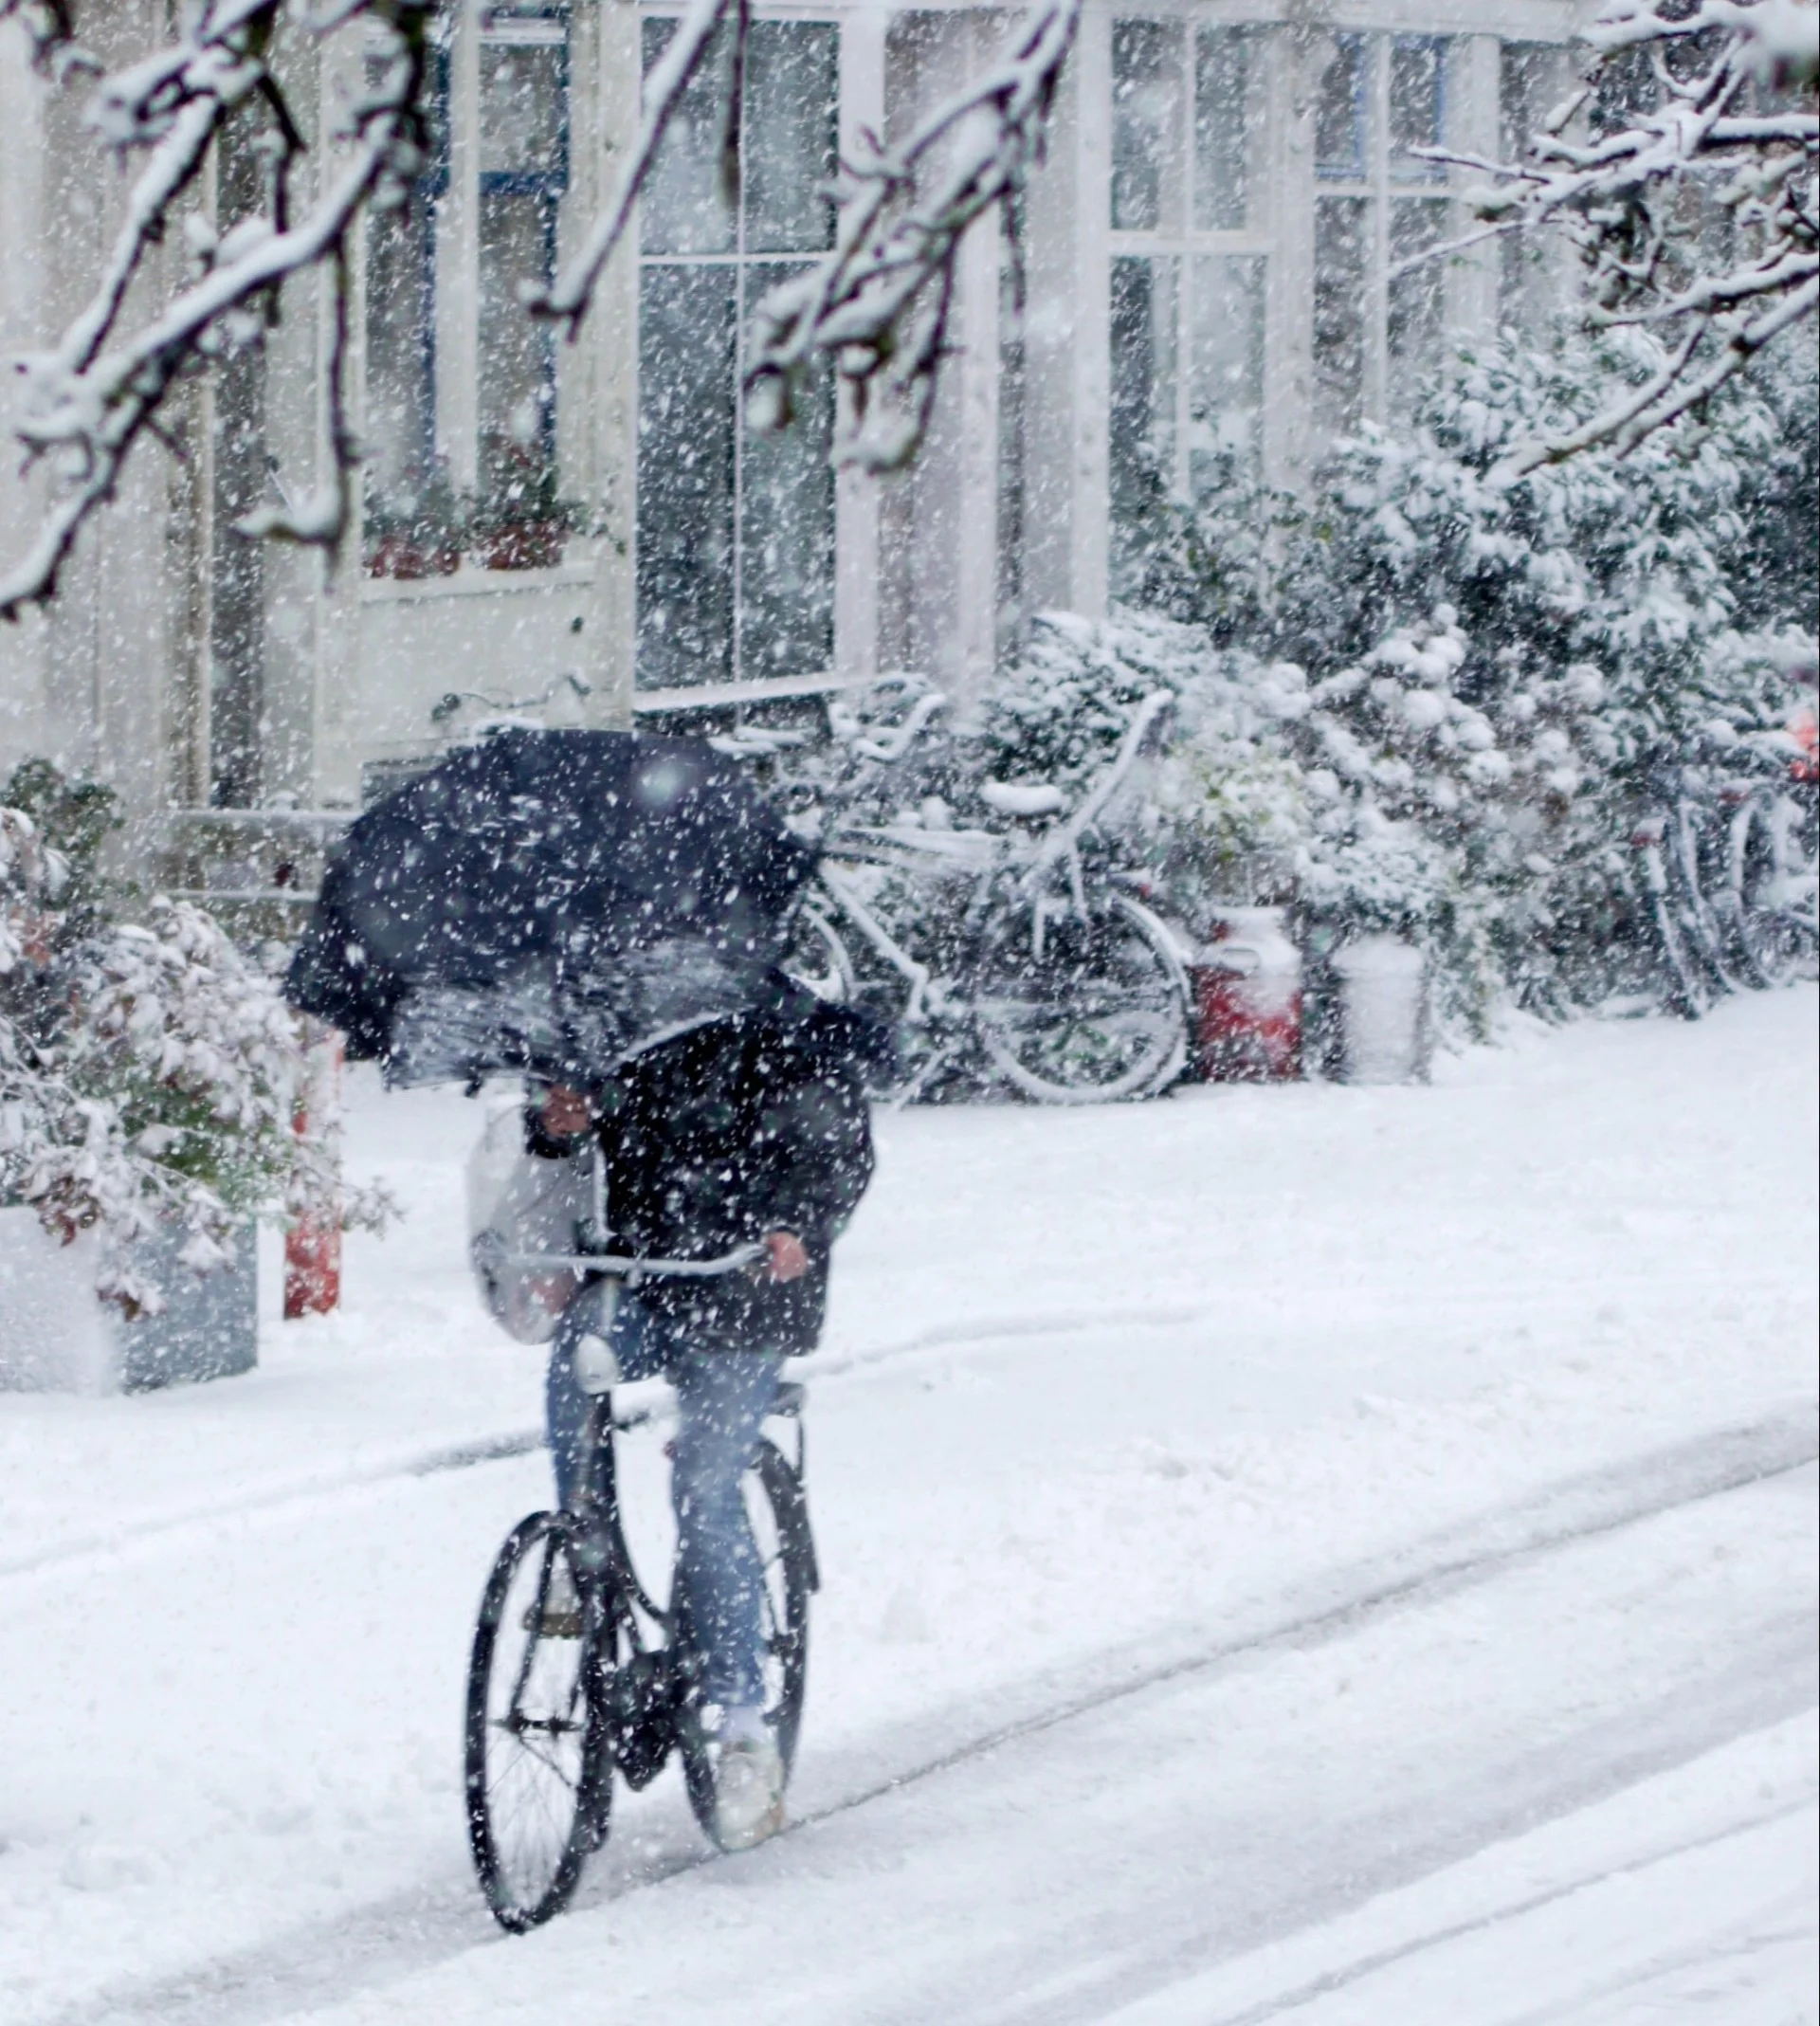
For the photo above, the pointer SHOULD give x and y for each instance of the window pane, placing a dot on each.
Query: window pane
(1146, 125)
(1417, 299)
(1143, 419)
(517, 382)
(793, 86)
(1342, 227)
(399, 425)
(1221, 67)
(401, 361)
(1012, 414)
(682, 208)
(1529, 82)
(525, 89)
(1225, 370)
(1418, 109)
(787, 530)
(686, 471)
(1340, 110)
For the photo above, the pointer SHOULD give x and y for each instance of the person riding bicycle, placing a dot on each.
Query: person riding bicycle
(751, 1129)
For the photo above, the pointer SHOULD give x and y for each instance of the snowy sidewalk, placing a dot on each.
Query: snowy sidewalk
(1099, 1389)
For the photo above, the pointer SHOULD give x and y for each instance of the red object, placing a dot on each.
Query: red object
(313, 1244)
(312, 1267)
(1247, 1001)
(1806, 733)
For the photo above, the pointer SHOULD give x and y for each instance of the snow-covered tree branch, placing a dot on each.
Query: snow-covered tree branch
(879, 301)
(1686, 172)
(92, 397)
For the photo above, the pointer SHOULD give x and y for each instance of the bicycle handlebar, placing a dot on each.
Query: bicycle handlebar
(613, 1264)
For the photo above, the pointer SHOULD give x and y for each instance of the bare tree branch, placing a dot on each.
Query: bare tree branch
(880, 298)
(1623, 194)
(50, 28)
(569, 296)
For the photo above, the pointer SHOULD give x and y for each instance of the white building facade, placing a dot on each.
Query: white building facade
(1206, 285)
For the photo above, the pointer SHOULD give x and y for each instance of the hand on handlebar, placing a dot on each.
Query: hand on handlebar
(789, 1256)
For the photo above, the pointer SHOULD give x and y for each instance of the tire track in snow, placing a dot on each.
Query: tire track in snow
(1293, 2000)
(381, 1944)
(1579, 1510)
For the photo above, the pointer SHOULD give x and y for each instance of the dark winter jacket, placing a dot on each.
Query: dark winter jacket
(754, 1125)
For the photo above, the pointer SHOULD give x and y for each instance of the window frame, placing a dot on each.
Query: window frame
(547, 187)
(1182, 240)
(1379, 189)
(454, 189)
(1182, 243)
(743, 263)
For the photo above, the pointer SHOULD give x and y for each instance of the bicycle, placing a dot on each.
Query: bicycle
(1026, 945)
(576, 1673)
(1727, 862)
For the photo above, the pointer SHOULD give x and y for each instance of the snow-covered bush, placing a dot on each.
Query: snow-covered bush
(1426, 698)
(149, 1074)
(1486, 674)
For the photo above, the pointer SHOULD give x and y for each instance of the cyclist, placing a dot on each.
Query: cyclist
(753, 1128)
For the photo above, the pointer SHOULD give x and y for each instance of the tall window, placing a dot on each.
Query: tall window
(524, 175)
(424, 509)
(1188, 274)
(1377, 326)
(736, 532)
(403, 470)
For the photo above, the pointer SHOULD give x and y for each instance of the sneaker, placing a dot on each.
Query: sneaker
(748, 1791)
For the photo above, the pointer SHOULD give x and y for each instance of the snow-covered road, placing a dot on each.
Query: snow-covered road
(1336, 1554)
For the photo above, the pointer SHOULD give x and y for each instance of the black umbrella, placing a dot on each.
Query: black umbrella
(552, 901)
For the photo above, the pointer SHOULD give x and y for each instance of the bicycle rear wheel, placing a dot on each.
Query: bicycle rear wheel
(539, 1775)
(1097, 1011)
(785, 1551)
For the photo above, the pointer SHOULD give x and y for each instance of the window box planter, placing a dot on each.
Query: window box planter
(405, 556)
(520, 545)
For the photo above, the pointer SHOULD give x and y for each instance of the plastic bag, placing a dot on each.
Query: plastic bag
(518, 1203)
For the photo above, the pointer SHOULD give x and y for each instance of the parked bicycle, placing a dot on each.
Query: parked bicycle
(1726, 860)
(1023, 948)
(577, 1672)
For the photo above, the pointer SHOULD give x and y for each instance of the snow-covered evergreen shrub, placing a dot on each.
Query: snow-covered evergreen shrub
(1597, 617)
(148, 1075)
(1419, 699)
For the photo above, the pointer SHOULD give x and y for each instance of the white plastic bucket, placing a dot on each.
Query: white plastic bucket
(1383, 1011)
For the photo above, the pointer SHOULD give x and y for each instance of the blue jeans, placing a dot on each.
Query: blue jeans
(723, 1395)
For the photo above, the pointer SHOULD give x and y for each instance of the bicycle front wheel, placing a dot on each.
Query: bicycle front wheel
(538, 1775)
(1094, 1008)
